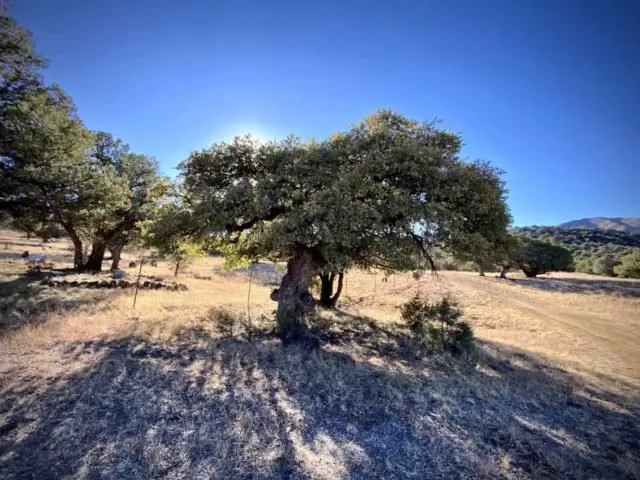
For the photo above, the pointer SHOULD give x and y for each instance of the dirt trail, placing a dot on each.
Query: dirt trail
(616, 338)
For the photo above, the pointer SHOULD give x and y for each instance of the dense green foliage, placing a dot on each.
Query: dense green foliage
(183, 255)
(438, 326)
(168, 232)
(629, 265)
(386, 194)
(594, 250)
(140, 189)
(535, 257)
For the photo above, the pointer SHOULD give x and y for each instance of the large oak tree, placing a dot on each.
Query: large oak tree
(383, 194)
(141, 189)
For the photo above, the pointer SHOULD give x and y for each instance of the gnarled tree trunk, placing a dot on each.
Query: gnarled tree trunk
(326, 288)
(293, 297)
(116, 252)
(77, 245)
(328, 299)
(94, 262)
(480, 269)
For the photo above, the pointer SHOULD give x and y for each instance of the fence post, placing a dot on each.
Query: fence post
(135, 296)
(249, 292)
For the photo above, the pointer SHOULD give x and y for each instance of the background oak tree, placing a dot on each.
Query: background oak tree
(55, 172)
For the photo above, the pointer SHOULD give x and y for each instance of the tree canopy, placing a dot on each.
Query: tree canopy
(139, 186)
(535, 257)
(382, 194)
(20, 64)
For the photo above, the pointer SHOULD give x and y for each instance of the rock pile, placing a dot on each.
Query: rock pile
(112, 283)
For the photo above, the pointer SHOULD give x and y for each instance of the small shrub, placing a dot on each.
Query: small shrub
(449, 264)
(584, 265)
(438, 326)
(473, 267)
(605, 265)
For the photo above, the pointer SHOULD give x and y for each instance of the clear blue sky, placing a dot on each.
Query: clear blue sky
(548, 90)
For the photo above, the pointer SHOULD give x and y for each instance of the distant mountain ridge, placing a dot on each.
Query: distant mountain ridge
(617, 223)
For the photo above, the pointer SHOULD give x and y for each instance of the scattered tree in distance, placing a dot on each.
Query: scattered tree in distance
(535, 257)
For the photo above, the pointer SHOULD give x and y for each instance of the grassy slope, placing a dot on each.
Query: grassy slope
(186, 385)
(585, 242)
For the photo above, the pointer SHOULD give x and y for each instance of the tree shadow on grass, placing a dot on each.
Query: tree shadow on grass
(208, 407)
(12, 256)
(576, 285)
(26, 301)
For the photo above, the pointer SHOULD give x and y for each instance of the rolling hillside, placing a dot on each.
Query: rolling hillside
(619, 224)
(588, 246)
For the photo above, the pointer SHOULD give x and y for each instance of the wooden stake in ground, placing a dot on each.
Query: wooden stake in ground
(249, 293)
(135, 296)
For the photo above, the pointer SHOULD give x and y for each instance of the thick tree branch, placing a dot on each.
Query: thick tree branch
(272, 214)
(417, 239)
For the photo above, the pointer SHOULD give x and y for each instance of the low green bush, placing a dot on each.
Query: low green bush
(438, 326)
(630, 265)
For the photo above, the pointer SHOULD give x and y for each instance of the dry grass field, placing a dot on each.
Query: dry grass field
(192, 385)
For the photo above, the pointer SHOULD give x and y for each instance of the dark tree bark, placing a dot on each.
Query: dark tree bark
(77, 245)
(293, 297)
(175, 272)
(116, 253)
(328, 298)
(94, 262)
(104, 238)
(338, 292)
(504, 271)
(480, 269)
(326, 289)
(531, 272)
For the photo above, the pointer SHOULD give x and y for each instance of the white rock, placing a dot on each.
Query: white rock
(37, 258)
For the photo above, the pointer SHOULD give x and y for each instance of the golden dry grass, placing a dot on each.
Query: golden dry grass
(186, 385)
